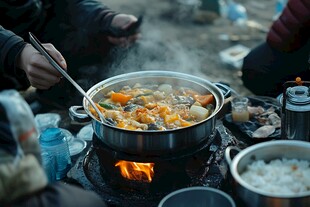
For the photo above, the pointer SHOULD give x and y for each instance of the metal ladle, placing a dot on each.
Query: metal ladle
(37, 45)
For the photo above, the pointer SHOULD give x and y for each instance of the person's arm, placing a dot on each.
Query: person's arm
(284, 55)
(11, 46)
(92, 14)
(266, 69)
(95, 18)
(19, 59)
(291, 30)
(40, 73)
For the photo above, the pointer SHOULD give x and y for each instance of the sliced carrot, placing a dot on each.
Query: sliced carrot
(94, 112)
(204, 99)
(120, 98)
(185, 123)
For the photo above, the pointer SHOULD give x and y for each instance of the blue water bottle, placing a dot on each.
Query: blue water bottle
(53, 141)
(49, 164)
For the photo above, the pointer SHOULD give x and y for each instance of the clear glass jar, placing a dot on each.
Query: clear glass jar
(239, 109)
(54, 142)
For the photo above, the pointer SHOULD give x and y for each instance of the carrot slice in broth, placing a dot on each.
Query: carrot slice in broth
(204, 99)
(120, 98)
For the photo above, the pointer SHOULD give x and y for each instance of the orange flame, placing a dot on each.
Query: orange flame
(136, 170)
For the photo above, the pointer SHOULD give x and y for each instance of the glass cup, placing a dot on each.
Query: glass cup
(239, 109)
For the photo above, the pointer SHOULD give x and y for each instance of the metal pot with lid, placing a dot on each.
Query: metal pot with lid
(295, 114)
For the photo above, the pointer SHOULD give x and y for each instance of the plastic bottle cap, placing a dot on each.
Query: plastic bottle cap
(51, 136)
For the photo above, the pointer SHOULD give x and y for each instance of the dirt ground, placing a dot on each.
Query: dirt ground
(190, 41)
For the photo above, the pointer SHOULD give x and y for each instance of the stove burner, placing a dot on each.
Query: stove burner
(205, 167)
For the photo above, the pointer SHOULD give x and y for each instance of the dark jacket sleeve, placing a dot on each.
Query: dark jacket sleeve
(292, 29)
(10, 47)
(81, 27)
(92, 13)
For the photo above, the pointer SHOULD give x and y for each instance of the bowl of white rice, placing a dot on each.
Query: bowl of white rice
(272, 174)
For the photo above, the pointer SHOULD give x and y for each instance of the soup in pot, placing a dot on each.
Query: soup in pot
(155, 107)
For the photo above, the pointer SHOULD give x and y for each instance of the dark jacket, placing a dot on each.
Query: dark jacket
(75, 27)
(11, 45)
(284, 56)
(291, 30)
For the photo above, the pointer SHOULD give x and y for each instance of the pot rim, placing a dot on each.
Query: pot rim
(195, 188)
(219, 98)
(244, 152)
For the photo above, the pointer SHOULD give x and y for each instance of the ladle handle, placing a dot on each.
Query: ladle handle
(37, 45)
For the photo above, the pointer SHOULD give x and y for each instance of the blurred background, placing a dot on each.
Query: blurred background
(208, 38)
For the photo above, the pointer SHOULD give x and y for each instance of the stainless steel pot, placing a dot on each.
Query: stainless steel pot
(253, 197)
(197, 196)
(151, 143)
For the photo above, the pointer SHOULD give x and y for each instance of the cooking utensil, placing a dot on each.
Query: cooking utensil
(153, 142)
(37, 45)
(267, 151)
(295, 113)
(197, 196)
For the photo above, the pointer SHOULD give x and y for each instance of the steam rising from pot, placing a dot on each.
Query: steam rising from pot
(154, 51)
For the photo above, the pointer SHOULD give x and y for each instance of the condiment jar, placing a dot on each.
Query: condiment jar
(54, 142)
(295, 113)
(239, 109)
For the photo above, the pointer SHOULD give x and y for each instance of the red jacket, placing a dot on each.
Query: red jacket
(292, 29)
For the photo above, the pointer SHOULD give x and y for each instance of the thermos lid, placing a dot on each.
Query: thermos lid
(298, 98)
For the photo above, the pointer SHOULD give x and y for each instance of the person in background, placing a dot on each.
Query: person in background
(83, 31)
(284, 55)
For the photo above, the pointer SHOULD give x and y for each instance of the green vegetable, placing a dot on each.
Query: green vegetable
(107, 105)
